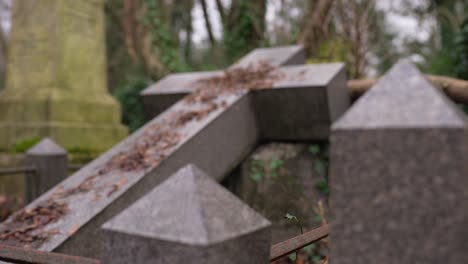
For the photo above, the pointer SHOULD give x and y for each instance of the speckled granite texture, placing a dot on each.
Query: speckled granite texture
(189, 218)
(399, 176)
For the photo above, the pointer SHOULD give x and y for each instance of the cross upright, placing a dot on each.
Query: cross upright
(214, 128)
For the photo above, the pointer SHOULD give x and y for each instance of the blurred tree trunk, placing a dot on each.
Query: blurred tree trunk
(315, 28)
(151, 31)
(354, 18)
(188, 27)
(244, 26)
(137, 37)
(221, 10)
(208, 26)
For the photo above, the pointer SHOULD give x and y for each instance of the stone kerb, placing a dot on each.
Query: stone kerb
(399, 175)
(189, 218)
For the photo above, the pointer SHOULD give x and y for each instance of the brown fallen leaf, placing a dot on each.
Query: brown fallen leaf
(73, 229)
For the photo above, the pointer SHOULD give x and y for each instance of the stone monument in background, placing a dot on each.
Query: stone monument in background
(56, 77)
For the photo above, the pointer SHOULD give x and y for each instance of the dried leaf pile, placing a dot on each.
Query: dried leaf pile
(255, 76)
(20, 230)
(158, 140)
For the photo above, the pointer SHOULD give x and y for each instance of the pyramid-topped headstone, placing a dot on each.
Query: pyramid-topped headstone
(193, 213)
(399, 176)
(46, 147)
(51, 164)
(402, 98)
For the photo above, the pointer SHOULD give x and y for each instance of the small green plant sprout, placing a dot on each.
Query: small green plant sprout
(323, 187)
(257, 169)
(291, 217)
(23, 145)
(264, 168)
(314, 149)
(275, 166)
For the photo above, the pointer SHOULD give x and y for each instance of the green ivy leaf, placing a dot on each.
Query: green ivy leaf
(323, 187)
(317, 218)
(319, 166)
(276, 163)
(256, 176)
(314, 149)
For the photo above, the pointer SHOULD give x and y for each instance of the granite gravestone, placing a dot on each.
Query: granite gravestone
(399, 175)
(56, 77)
(215, 136)
(189, 218)
(172, 88)
(51, 163)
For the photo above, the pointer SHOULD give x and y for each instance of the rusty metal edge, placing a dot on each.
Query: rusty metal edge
(24, 256)
(289, 246)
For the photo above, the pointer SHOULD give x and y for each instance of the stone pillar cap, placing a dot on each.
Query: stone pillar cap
(47, 147)
(189, 208)
(403, 98)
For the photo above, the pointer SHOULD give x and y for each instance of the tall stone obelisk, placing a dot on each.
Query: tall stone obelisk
(56, 76)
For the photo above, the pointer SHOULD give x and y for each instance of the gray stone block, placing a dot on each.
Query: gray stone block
(51, 163)
(189, 218)
(399, 175)
(166, 92)
(303, 105)
(203, 143)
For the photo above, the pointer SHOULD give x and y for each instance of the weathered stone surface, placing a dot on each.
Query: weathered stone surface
(318, 91)
(189, 218)
(215, 136)
(202, 143)
(303, 105)
(281, 178)
(46, 147)
(56, 79)
(160, 96)
(399, 175)
(51, 164)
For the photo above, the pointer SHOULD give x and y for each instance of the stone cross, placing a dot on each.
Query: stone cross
(56, 77)
(212, 128)
(399, 175)
(189, 218)
(159, 96)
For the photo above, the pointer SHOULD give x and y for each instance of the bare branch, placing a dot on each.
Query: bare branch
(221, 10)
(456, 89)
(209, 28)
(313, 31)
